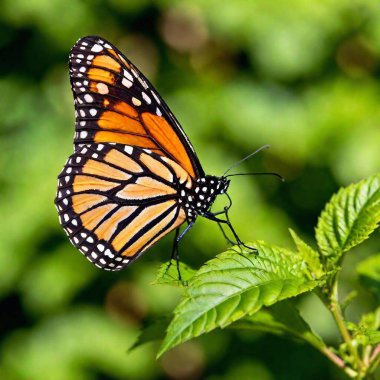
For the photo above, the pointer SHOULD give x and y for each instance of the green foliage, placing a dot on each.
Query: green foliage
(309, 255)
(169, 273)
(243, 291)
(367, 332)
(234, 285)
(86, 335)
(301, 76)
(349, 218)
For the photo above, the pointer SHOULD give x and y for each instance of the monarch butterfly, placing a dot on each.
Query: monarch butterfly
(134, 175)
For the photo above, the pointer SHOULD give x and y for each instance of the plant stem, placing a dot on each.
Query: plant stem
(374, 361)
(336, 311)
(338, 361)
(366, 355)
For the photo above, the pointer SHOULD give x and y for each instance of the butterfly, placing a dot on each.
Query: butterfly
(134, 175)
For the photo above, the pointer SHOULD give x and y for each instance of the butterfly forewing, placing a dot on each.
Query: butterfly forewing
(115, 103)
(115, 201)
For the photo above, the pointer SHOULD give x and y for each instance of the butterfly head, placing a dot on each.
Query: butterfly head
(222, 185)
(212, 186)
(199, 199)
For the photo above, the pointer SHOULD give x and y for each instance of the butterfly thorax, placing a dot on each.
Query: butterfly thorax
(199, 198)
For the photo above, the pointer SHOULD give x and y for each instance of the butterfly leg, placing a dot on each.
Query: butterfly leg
(229, 241)
(239, 242)
(225, 211)
(227, 221)
(174, 254)
(175, 251)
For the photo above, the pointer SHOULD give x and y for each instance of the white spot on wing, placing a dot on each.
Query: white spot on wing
(127, 83)
(143, 83)
(109, 253)
(136, 101)
(155, 97)
(146, 97)
(134, 72)
(97, 48)
(88, 98)
(128, 149)
(128, 75)
(102, 88)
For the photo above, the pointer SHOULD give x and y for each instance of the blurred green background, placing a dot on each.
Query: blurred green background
(299, 75)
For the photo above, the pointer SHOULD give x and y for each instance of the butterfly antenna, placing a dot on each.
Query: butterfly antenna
(245, 158)
(280, 177)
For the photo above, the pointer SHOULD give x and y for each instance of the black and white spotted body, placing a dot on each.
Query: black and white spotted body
(199, 199)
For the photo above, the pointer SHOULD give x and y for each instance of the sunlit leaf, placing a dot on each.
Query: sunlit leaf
(349, 218)
(309, 255)
(234, 285)
(169, 274)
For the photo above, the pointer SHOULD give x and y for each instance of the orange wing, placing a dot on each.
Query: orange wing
(115, 201)
(115, 103)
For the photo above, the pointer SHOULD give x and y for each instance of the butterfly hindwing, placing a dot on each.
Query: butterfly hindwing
(115, 103)
(115, 201)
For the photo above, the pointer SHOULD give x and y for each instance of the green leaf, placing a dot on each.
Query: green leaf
(151, 332)
(349, 218)
(234, 285)
(367, 330)
(282, 318)
(168, 274)
(309, 255)
(368, 336)
(369, 273)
